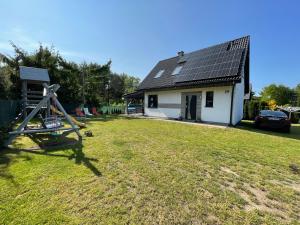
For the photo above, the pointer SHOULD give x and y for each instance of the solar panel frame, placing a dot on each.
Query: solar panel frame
(219, 62)
(199, 66)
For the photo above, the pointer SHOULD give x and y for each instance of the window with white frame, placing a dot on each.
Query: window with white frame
(159, 73)
(177, 70)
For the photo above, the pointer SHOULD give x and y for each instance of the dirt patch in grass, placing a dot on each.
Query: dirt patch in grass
(212, 219)
(227, 170)
(293, 185)
(256, 199)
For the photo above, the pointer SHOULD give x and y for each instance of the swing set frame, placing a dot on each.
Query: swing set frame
(50, 94)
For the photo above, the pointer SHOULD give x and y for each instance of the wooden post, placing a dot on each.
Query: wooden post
(75, 128)
(50, 94)
(48, 103)
(24, 97)
(27, 119)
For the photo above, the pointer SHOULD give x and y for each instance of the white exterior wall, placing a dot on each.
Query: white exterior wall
(220, 112)
(167, 97)
(238, 102)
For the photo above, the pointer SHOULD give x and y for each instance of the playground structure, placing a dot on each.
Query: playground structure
(79, 124)
(37, 96)
(33, 90)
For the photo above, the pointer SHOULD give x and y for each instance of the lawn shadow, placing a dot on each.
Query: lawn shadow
(62, 144)
(249, 126)
(7, 157)
(60, 147)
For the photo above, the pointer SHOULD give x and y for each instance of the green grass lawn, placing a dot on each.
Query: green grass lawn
(138, 171)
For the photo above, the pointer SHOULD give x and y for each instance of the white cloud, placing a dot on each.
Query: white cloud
(5, 46)
(22, 39)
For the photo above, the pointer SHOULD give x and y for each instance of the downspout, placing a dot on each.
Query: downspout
(144, 104)
(231, 105)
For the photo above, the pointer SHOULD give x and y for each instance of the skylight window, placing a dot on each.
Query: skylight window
(159, 73)
(177, 70)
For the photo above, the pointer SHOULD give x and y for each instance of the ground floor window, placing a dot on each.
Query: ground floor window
(209, 99)
(152, 101)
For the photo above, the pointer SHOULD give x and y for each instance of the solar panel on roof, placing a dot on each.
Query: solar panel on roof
(212, 63)
(225, 63)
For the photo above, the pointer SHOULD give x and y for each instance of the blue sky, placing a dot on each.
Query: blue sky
(137, 34)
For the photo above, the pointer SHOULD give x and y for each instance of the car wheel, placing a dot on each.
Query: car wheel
(287, 129)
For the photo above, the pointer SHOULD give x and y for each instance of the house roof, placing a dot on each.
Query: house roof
(34, 74)
(135, 95)
(216, 64)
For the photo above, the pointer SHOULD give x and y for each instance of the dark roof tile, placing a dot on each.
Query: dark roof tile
(213, 63)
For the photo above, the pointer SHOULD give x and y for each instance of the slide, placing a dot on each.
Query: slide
(79, 124)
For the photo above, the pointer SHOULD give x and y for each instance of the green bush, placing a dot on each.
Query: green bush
(252, 108)
(295, 118)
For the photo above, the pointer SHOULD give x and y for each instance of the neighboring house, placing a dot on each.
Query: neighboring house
(207, 85)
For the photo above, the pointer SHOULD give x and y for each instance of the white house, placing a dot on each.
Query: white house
(207, 85)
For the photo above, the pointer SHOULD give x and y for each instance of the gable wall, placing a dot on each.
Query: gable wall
(238, 102)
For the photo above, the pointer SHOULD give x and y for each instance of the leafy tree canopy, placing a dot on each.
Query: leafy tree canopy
(297, 91)
(80, 83)
(281, 94)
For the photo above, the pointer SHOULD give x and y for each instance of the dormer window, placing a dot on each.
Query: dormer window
(159, 73)
(177, 70)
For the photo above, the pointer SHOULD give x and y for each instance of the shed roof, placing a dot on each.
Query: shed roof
(34, 74)
(135, 95)
(289, 108)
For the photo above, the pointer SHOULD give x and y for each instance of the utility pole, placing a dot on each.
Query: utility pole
(107, 88)
(107, 92)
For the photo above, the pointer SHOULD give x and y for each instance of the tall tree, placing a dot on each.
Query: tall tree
(43, 57)
(5, 83)
(131, 83)
(280, 93)
(91, 83)
(297, 91)
(117, 87)
(95, 80)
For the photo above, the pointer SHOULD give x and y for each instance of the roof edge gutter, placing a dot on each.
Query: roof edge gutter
(191, 86)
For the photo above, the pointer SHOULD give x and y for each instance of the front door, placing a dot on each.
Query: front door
(193, 107)
(190, 107)
(187, 107)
